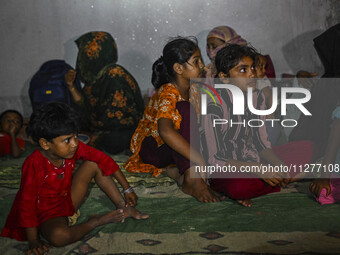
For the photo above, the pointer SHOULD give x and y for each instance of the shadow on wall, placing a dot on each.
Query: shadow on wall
(25, 99)
(202, 43)
(300, 53)
(142, 67)
(71, 52)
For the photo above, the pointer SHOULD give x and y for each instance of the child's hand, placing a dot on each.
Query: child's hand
(131, 198)
(13, 130)
(304, 78)
(70, 76)
(317, 185)
(37, 247)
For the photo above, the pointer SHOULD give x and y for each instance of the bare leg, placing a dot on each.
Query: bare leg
(194, 185)
(173, 173)
(58, 233)
(82, 178)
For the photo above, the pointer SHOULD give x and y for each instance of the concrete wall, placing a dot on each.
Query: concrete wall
(34, 31)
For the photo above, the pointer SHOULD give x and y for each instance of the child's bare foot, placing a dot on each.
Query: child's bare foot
(194, 185)
(246, 202)
(116, 216)
(131, 212)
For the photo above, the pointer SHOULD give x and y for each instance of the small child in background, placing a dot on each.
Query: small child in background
(11, 123)
(50, 191)
(263, 84)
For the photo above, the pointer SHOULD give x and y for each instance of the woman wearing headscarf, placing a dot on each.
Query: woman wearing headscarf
(325, 95)
(111, 96)
(221, 36)
(218, 38)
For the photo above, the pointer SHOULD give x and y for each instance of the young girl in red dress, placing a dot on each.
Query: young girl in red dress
(50, 191)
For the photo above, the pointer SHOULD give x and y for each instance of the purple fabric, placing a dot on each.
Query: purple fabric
(163, 156)
(334, 197)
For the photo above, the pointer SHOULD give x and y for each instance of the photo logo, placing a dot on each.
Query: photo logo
(239, 103)
(204, 97)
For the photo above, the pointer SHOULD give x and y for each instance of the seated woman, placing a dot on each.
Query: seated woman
(221, 36)
(111, 96)
(238, 145)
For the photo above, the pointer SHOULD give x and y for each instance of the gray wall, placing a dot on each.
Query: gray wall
(34, 31)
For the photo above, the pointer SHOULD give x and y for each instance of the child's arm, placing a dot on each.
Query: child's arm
(15, 149)
(36, 246)
(333, 147)
(70, 76)
(129, 193)
(269, 156)
(177, 142)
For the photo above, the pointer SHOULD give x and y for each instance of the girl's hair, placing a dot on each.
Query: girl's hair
(12, 111)
(229, 56)
(177, 50)
(52, 120)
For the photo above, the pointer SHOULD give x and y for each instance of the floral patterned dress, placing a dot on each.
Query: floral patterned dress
(161, 105)
(112, 98)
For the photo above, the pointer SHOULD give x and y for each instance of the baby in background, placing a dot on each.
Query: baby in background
(11, 123)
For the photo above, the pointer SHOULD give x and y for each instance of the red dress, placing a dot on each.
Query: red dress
(45, 190)
(5, 144)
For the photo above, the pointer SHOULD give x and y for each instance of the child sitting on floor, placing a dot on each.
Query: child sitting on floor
(239, 145)
(163, 134)
(50, 191)
(11, 123)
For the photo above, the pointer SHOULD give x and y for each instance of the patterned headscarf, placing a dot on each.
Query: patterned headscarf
(227, 35)
(96, 50)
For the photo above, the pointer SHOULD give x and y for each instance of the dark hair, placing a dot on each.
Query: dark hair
(52, 120)
(177, 50)
(12, 111)
(230, 55)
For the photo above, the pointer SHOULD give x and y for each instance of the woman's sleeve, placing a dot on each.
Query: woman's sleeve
(32, 178)
(166, 104)
(104, 161)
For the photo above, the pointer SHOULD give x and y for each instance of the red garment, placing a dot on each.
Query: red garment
(5, 144)
(294, 153)
(270, 70)
(45, 190)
